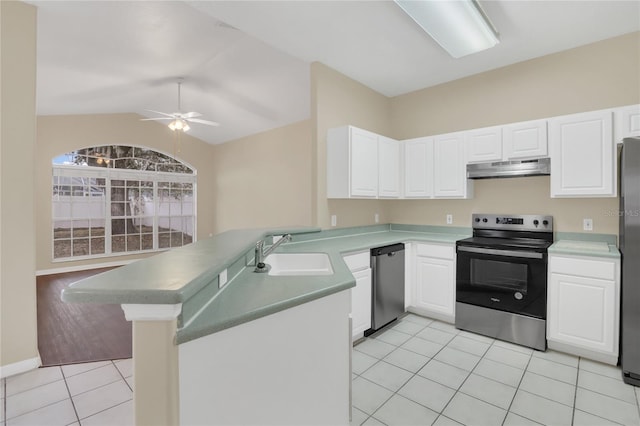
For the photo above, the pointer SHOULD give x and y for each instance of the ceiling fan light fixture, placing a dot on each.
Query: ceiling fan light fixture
(459, 26)
(179, 124)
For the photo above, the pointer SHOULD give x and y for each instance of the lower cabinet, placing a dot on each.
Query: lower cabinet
(583, 306)
(434, 285)
(361, 303)
(360, 266)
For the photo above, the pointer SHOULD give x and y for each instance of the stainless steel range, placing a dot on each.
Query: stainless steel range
(501, 278)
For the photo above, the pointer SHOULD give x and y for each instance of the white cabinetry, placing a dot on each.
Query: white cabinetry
(627, 122)
(418, 168)
(583, 306)
(450, 168)
(525, 140)
(362, 164)
(360, 266)
(388, 167)
(582, 155)
(484, 145)
(434, 287)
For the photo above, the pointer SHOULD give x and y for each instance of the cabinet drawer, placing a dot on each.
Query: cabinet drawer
(582, 267)
(358, 261)
(442, 252)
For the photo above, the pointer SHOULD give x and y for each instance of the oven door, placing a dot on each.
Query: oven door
(507, 280)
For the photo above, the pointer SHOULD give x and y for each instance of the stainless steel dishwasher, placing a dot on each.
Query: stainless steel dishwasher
(387, 297)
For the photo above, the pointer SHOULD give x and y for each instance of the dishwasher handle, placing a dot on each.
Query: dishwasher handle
(388, 250)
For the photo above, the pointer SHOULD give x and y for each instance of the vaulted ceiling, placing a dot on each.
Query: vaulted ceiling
(245, 64)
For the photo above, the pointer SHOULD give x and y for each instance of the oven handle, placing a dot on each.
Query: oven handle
(508, 253)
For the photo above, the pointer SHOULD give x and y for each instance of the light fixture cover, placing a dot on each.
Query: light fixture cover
(459, 26)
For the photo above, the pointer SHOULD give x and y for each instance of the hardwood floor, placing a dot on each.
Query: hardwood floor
(70, 333)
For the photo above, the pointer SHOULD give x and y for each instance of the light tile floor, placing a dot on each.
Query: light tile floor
(95, 393)
(417, 372)
(425, 372)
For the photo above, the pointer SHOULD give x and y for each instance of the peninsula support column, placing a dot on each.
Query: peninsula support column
(156, 398)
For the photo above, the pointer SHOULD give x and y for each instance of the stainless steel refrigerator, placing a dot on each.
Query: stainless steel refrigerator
(630, 249)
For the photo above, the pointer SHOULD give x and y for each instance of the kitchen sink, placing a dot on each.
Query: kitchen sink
(299, 264)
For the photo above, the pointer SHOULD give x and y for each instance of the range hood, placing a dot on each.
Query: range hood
(507, 169)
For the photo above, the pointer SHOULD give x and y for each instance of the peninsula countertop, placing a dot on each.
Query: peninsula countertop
(190, 275)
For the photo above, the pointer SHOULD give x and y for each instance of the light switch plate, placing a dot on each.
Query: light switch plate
(449, 219)
(334, 220)
(587, 224)
(376, 218)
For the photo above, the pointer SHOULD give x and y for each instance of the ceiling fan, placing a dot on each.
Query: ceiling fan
(180, 120)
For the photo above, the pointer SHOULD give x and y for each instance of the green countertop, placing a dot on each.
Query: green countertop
(190, 274)
(582, 244)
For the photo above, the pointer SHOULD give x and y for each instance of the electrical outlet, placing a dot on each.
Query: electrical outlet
(222, 279)
(587, 224)
(449, 219)
(334, 220)
(376, 218)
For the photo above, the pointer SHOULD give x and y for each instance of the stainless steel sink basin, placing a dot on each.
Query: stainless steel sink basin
(299, 264)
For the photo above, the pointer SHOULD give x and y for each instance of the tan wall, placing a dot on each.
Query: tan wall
(18, 327)
(264, 180)
(61, 134)
(596, 76)
(337, 100)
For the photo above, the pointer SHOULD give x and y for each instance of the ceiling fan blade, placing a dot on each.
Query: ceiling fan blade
(197, 120)
(191, 114)
(156, 119)
(161, 113)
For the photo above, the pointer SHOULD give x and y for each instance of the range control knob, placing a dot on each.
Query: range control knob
(497, 220)
(477, 219)
(545, 222)
(485, 220)
(535, 222)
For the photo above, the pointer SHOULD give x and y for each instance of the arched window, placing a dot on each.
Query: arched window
(114, 199)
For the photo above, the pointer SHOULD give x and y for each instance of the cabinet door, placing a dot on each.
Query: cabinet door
(581, 312)
(582, 155)
(484, 144)
(361, 302)
(525, 140)
(449, 165)
(388, 167)
(435, 286)
(627, 122)
(364, 163)
(418, 168)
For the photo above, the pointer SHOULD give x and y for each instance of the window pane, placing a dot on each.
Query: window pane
(97, 227)
(133, 242)
(176, 239)
(147, 242)
(81, 247)
(61, 248)
(164, 240)
(118, 244)
(97, 246)
(61, 229)
(117, 226)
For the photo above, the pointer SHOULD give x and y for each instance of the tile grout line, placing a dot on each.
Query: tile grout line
(516, 392)
(73, 404)
(124, 378)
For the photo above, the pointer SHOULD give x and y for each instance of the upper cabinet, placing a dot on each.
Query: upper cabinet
(418, 168)
(450, 168)
(525, 140)
(484, 145)
(582, 155)
(627, 122)
(388, 167)
(361, 164)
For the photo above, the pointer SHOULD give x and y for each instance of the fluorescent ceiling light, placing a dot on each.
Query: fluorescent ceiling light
(459, 26)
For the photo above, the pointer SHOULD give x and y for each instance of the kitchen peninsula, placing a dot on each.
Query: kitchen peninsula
(182, 309)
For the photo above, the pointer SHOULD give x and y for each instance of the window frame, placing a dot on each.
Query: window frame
(109, 175)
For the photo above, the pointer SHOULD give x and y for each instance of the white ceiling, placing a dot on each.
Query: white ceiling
(246, 64)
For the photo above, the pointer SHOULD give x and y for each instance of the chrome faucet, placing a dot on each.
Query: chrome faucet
(261, 254)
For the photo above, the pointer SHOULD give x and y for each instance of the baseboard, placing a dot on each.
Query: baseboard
(607, 358)
(83, 267)
(20, 367)
(433, 315)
